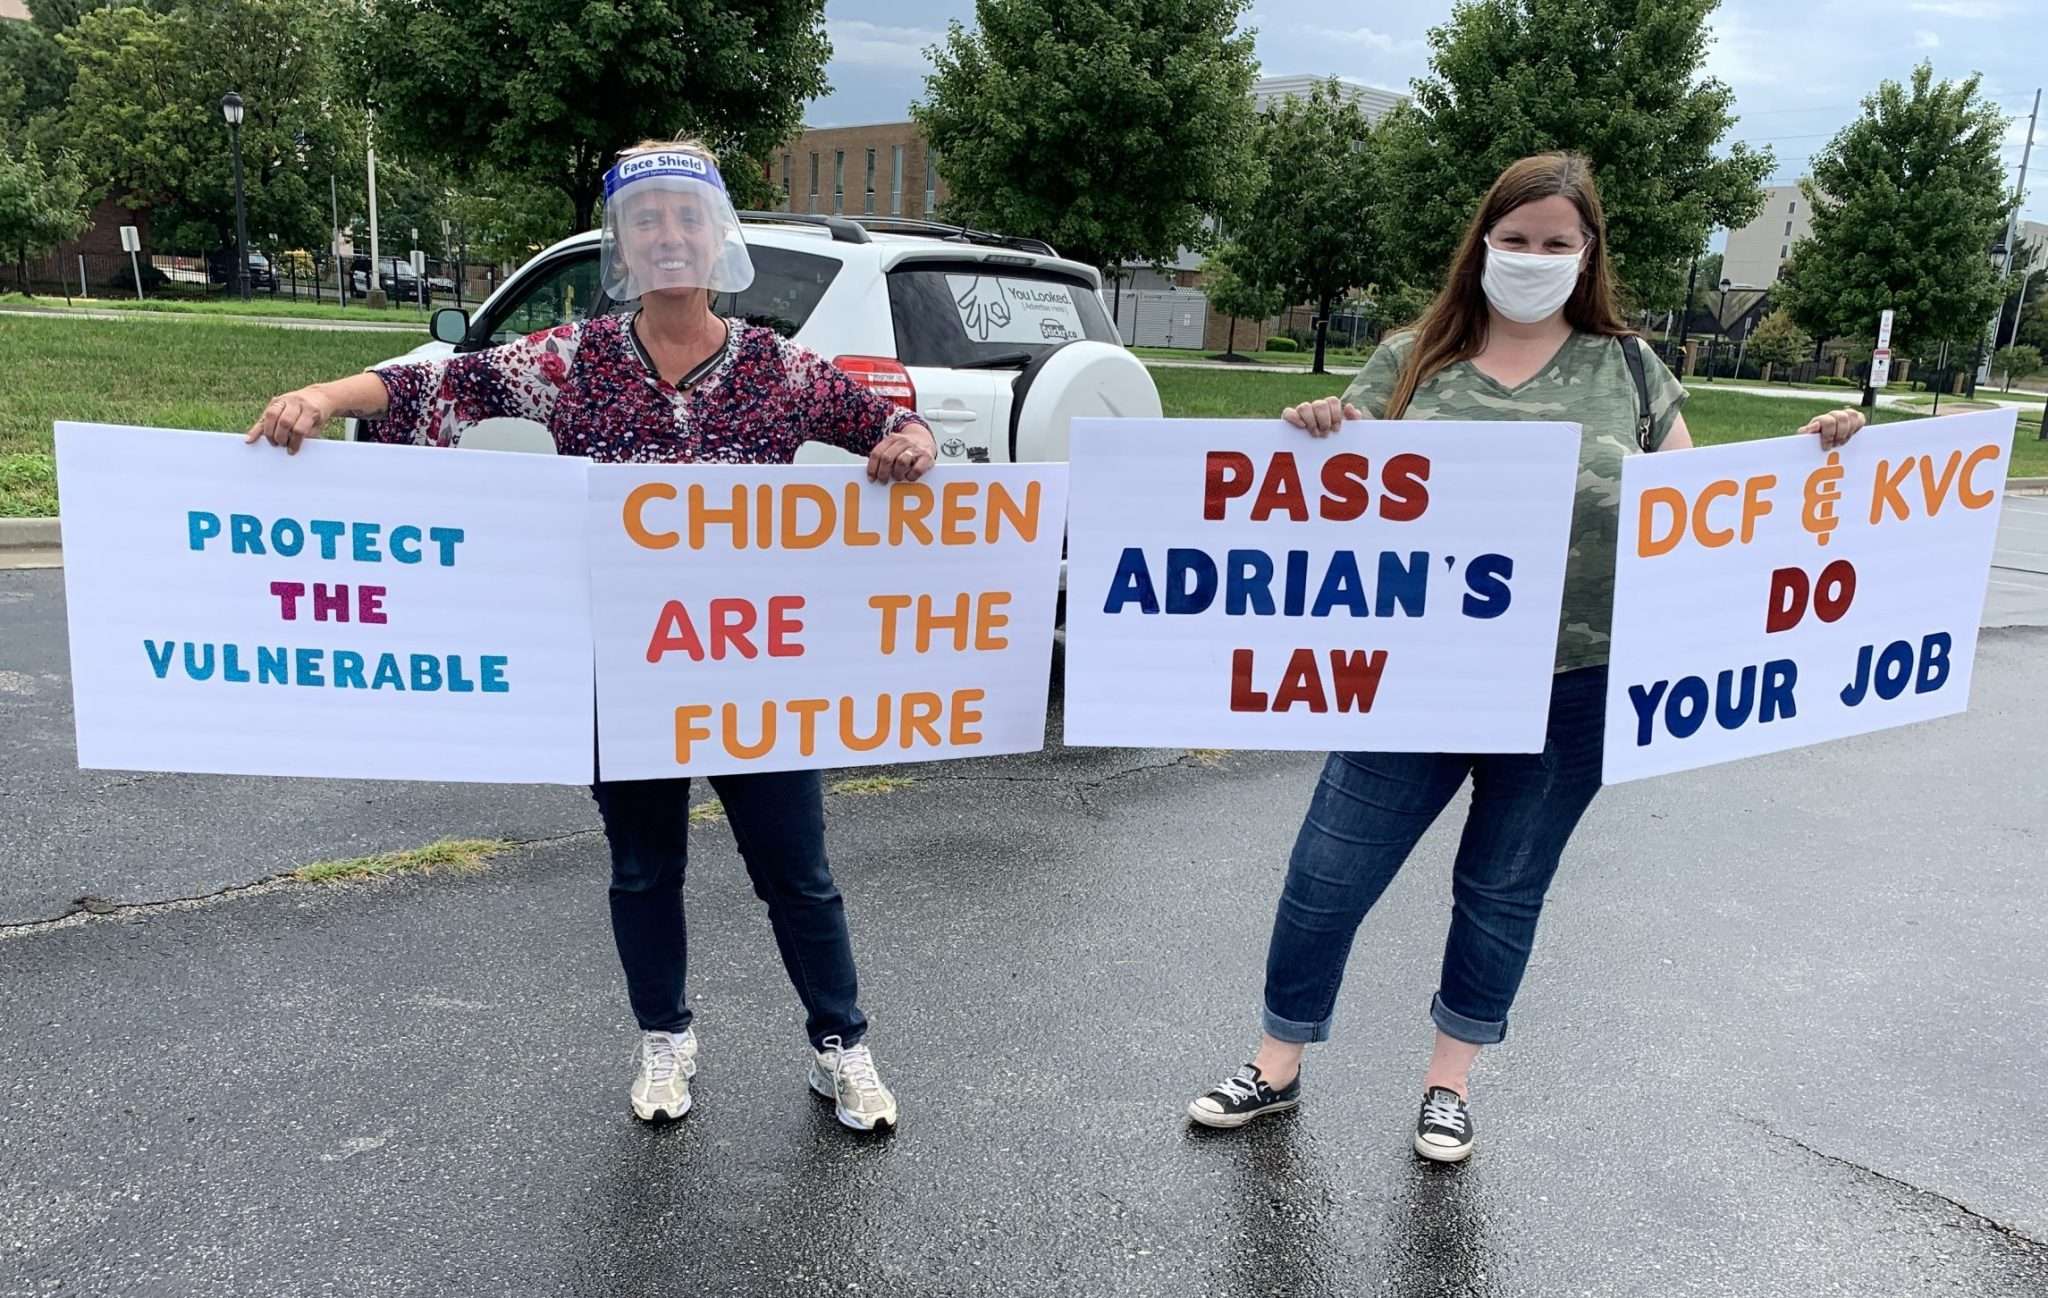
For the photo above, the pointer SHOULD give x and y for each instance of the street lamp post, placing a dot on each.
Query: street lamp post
(1692, 277)
(231, 108)
(1721, 319)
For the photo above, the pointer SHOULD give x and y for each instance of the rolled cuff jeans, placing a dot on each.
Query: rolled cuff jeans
(1368, 812)
(778, 820)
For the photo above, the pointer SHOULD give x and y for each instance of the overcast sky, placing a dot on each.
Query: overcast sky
(1799, 67)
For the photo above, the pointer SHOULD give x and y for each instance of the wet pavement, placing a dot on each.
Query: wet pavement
(1781, 1035)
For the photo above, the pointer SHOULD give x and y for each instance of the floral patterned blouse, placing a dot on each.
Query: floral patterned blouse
(587, 383)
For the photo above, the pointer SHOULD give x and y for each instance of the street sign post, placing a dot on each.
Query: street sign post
(131, 243)
(1880, 361)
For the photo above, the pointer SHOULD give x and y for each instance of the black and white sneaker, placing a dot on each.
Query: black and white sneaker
(1443, 1133)
(1242, 1097)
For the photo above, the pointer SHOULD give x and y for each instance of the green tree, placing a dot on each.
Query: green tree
(1620, 81)
(2023, 286)
(1110, 128)
(2033, 328)
(503, 220)
(1779, 340)
(33, 64)
(145, 113)
(548, 92)
(40, 206)
(1235, 295)
(2018, 362)
(1907, 200)
(1315, 237)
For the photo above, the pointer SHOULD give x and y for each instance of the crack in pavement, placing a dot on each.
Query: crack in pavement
(2013, 1233)
(89, 909)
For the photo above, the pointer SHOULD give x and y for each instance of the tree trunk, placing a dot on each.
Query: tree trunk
(1230, 344)
(1322, 324)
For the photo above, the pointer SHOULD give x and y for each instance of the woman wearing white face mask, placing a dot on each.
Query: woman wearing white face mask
(1525, 327)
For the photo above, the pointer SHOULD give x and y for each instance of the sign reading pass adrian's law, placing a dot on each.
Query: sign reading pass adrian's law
(1768, 595)
(778, 618)
(352, 611)
(1243, 585)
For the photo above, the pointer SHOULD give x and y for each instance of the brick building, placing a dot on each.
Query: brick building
(884, 169)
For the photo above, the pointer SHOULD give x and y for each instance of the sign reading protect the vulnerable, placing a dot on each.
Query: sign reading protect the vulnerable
(353, 611)
(1768, 596)
(775, 618)
(1239, 584)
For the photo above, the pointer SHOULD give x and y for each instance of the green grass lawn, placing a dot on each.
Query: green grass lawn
(1713, 416)
(171, 373)
(210, 374)
(408, 314)
(1304, 358)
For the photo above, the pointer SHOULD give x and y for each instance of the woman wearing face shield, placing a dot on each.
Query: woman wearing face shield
(671, 382)
(1525, 327)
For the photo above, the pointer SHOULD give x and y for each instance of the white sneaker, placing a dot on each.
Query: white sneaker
(847, 1077)
(667, 1063)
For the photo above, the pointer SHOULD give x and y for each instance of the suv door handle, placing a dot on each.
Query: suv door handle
(952, 416)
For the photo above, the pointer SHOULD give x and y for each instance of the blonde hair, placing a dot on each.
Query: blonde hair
(682, 144)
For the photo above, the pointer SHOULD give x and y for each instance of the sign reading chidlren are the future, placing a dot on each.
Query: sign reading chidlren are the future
(778, 618)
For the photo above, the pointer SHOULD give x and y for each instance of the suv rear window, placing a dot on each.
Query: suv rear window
(786, 289)
(953, 313)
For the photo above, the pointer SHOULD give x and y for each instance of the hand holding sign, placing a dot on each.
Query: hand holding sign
(1321, 418)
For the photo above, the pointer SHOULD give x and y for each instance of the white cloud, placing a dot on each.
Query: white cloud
(1367, 37)
(1967, 9)
(872, 45)
(1926, 40)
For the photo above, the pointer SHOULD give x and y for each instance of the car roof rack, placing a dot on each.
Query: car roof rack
(956, 233)
(842, 230)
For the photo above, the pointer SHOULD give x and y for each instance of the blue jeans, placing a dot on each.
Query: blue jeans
(1368, 812)
(779, 821)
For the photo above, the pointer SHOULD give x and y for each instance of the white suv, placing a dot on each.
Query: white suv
(996, 342)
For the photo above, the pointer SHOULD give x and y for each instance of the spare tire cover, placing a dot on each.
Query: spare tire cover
(1078, 380)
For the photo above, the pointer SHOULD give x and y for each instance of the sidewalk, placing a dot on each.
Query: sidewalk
(1852, 396)
(418, 326)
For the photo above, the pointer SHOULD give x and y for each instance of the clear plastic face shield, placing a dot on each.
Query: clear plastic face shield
(668, 224)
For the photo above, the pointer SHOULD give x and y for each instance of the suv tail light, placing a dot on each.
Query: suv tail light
(882, 375)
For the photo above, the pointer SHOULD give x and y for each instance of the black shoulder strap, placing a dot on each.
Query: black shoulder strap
(1631, 352)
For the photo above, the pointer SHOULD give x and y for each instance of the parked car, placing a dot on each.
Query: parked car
(220, 269)
(152, 278)
(997, 342)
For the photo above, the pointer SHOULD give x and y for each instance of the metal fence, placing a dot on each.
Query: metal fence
(288, 277)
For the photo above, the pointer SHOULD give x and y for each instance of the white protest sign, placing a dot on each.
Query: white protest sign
(779, 618)
(1239, 584)
(994, 309)
(353, 611)
(1767, 595)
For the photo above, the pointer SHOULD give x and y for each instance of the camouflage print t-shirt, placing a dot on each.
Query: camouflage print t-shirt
(1586, 383)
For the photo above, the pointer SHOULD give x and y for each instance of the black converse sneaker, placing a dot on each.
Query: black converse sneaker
(1443, 1133)
(1242, 1097)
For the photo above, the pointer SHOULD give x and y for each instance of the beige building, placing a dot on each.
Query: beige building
(17, 10)
(1755, 252)
(883, 169)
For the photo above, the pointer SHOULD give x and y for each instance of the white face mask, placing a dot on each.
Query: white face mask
(1526, 286)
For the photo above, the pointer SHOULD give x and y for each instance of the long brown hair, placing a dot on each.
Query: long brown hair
(1454, 327)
